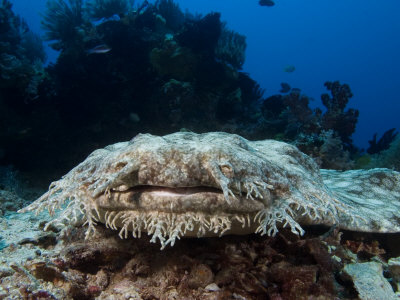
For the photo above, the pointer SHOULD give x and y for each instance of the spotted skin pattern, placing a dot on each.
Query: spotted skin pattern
(188, 184)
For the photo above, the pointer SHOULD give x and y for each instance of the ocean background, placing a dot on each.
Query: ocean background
(355, 42)
(320, 76)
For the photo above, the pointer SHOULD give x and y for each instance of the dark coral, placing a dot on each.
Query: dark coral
(21, 58)
(251, 267)
(231, 48)
(99, 9)
(336, 118)
(201, 35)
(325, 136)
(383, 143)
(285, 88)
(165, 71)
(161, 75)
(229, 267)
(63, 23)
(290, 115)
(21, 77)
(172, 14)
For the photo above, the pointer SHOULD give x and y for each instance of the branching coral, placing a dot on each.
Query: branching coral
(336, 118)
(331, 153)
(290, 117)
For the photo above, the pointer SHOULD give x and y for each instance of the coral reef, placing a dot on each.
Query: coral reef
(231, 47)
(63, 23)
(331, 154)
(185, 184)
(21, 81)
(98, 9)
(285, 88)
(21, 58)
(336, 118)
(170, 11)
(389, 158)
(174, 61)
(60, 265)
(324, 136)
(290, 115)
(201, 35)
(170, 70)
(155, 51)
(383, 143)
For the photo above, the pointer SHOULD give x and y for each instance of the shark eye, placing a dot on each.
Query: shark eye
(227, 170)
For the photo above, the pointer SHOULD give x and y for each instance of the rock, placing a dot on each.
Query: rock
(369, 281)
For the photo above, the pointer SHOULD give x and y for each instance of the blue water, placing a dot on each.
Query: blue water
(355, 42)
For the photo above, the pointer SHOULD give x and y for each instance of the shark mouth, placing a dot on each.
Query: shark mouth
(167, 191)
(176, 200)
(167, 213)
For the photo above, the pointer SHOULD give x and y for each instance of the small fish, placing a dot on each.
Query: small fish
(266, 3)
(285, 87)
(289, 69)
(100, 49)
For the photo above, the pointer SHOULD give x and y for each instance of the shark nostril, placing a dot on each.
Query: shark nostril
(120, 165)
(92, 170)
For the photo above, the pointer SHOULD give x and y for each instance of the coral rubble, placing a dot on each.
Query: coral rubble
(61, 265)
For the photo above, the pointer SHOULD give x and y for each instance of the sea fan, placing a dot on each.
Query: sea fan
(171, 12)
(61, 22)
(33, 47)
(231, 47)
